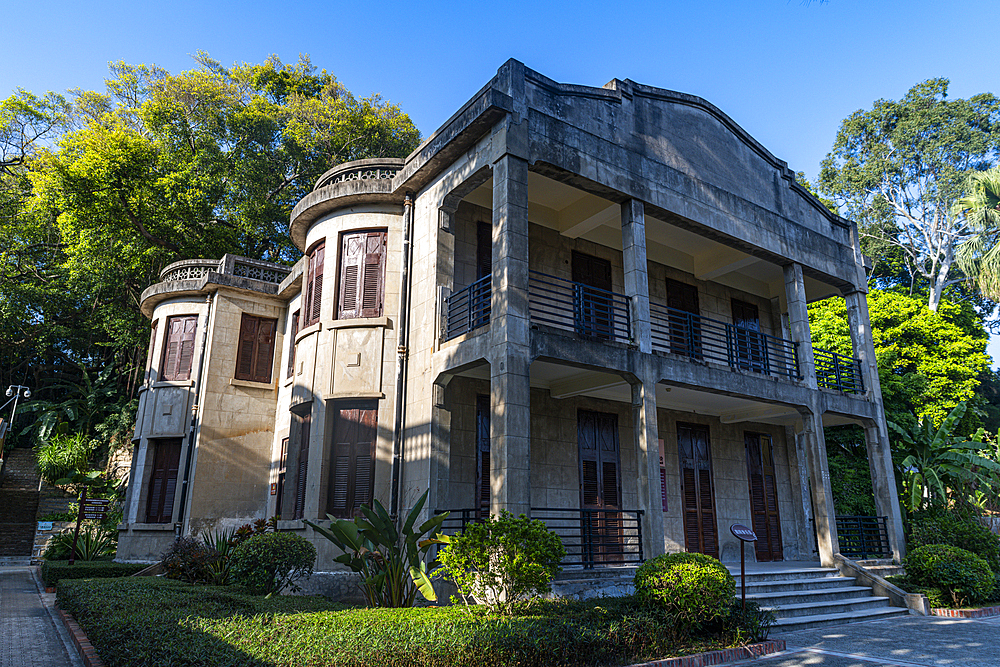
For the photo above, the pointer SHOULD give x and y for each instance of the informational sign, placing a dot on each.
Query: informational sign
(743, 533)
(44, 526)
(94, 509)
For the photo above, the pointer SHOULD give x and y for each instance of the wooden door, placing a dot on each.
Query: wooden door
(279, 490)
(163, 481)
(482, 457)
(303, 424)
(353, 463)
(697, 489)
(763, 497)
(749, 352)
(600, 485)
(592, 307)
(685, 324)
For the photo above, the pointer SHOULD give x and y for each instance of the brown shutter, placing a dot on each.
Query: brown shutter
(763, 497)
(312, 297)
(291, 343)
(186, 356)
(163, 481)
(483, 449)
(246, 345)
(373, 287)
(264, 353)
(352, 256)
(353, 469)
(280, 490)
(303, 467)
(179, 350)
(174, 329)
(700, 533)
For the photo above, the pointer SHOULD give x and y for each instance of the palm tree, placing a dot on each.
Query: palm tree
(979, 255)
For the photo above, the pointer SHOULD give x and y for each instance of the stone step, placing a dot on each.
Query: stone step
(14, 561)
(785, 598)
(821, 620)
(782, 575)
(811, 583)
(826, 607)
(571, 573)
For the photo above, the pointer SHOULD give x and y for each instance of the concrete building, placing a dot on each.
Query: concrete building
(583, 304)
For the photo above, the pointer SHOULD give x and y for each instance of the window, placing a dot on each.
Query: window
(353, 461)
(178, 353)
(314, 284)
(362, 275)
(282, 468)
(291, 343)
(163, 481)
(303, 424)
(255, 355)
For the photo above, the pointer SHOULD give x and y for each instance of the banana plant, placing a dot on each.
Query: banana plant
(391, 560)
(938, 462)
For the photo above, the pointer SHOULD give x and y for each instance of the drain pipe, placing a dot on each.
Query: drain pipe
(402, 337)
(195, 419)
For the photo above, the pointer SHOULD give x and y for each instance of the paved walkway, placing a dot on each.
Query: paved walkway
(910, 641)
(30, 635)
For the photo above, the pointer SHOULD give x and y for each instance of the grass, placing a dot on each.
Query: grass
(152, 621)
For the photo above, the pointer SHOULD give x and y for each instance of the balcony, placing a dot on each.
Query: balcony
(587, 311)
(467, 309)
(232, 265)
(838, 372)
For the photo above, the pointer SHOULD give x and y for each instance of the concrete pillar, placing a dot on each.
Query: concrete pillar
(510, 359)
(798, 323)
(636, 278)
(647, 456)
(824, 514)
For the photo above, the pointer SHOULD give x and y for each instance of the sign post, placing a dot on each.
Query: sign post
(744, 535)
(91, 509)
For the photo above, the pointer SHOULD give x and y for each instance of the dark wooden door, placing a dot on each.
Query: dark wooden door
(592, 306)
(482, 457)
(763, 497)
(600, 485)
(353, 467)
(697, 489)
(749, 352)
(303, 423)
(685, 324)
(279, 490)
(163, 481)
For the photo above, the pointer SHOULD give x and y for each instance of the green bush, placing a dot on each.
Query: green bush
(749, 623)
(62, 455)
(964, 577)
(150, 621)
(502, 561)
(190, 560)
(54, 571)
(268, 562)
(937, 525)
(93, 543)
(692, 589)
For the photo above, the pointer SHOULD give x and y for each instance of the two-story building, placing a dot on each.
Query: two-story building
(587, 305)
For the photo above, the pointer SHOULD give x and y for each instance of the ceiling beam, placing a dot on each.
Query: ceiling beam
(582, 383)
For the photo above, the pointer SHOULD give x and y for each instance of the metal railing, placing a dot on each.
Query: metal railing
(863, 536)
(588, 311)
(468, 308)
(837, 371)
(704, 339)
(591, 537)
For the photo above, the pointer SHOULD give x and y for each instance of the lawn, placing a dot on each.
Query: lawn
(140, 621)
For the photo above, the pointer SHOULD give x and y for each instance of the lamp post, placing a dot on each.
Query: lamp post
(17, 391)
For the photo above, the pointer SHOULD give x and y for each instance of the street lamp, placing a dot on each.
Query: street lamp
(17, 391)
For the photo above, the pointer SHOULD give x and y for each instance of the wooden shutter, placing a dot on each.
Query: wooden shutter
(246, 347)
(373, 285)
(353, 461)
(255, 351)
(483, 490)
(280, 490)
(303, 466)
(291, 343)
(314, 284)
(163, 481)
(352, 256)
(763, 497)
(700, 532)
(178, 352)
(663, 476)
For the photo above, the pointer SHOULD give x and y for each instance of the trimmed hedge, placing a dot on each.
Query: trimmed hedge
(147, 621)
(964, 577)
(54, 571)
(691, 589)
(937, 525)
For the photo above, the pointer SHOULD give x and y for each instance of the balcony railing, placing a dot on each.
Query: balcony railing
(703, 339)
(836, 371)
(592, 537)
(863, 537)
(233, 265)
(588, 311)
(468, 308)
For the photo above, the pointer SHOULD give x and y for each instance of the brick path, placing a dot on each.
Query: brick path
(29, 637)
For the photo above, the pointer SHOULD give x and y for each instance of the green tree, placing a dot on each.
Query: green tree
(979, 255)
(928, 361)
(898, 169)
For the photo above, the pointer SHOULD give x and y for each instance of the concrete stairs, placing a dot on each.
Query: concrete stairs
(809, 597)
(18, 505)
(580, 584)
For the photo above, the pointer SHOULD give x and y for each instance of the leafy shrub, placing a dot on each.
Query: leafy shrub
(937, 525)
(390, 559)
(269, 562)
(691, 589)
(54, 571)
(222, 542)
(62, 455)
(154, 621)
(964, 577)
(502, 560)
(94, 543)
(189, 560)
(749, 624)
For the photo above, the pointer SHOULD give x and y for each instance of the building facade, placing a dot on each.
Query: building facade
(587, 305)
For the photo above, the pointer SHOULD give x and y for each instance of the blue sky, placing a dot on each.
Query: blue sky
(788, 71)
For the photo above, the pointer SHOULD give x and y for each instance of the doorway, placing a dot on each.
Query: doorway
(697, 489)
(763, 497)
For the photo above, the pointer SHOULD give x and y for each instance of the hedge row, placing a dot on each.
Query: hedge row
(54, 571)
(144, 621)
